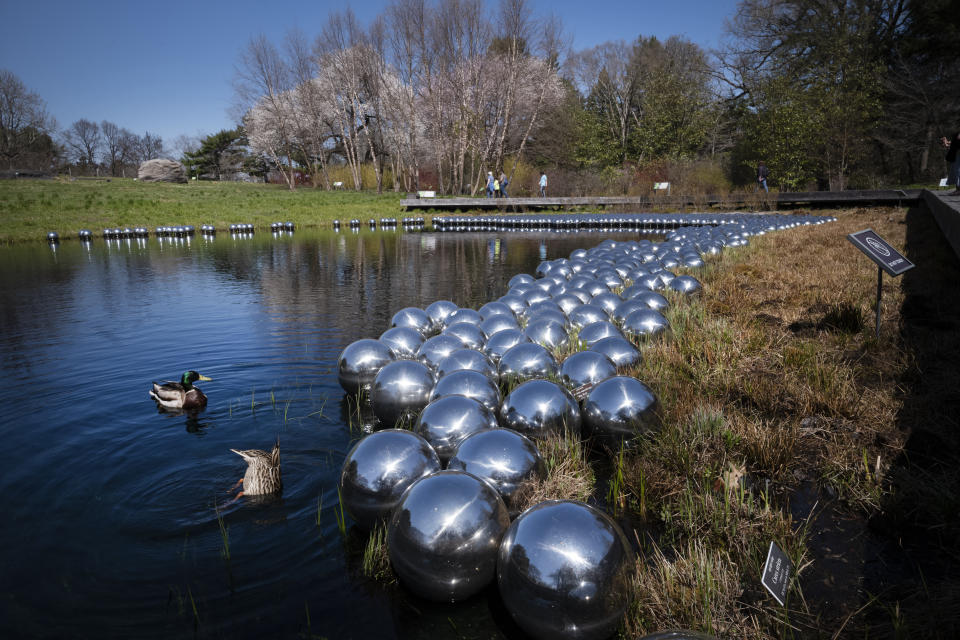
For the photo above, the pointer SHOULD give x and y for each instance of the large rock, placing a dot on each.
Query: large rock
(161, 170)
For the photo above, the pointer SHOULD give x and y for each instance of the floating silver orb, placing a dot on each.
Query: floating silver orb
(564, 571)
(445, 422)
(403, 341)
(586, 367)
(552, 315)
(548, 333)
(471, 384)
(607, 301)
(539, 408)
(496, 323)
(400, 391)
(618, 410)
(520, 278)
(619, 350)
(525, 361)
(379, 469)
(567, 302)
(438, 312)
(444, 535)
(686, 284)
(627, 307)
(502, 341)
(360, 363)
(470, 334)
(645, 323)
(516, 303)
(414, 318)
(435, 349)
(635, 289)
(504, 458)
(467, 360)
(597, 331)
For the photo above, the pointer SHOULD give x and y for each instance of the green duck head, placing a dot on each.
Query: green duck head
(189, 377)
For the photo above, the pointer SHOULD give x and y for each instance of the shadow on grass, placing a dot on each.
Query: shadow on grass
(915, 574)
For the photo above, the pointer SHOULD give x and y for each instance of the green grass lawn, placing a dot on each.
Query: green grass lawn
(31, 208)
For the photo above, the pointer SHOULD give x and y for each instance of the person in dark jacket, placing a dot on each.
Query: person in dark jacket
(762, 174)
(953, 157)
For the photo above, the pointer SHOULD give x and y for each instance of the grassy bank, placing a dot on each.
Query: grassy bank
(31, 208)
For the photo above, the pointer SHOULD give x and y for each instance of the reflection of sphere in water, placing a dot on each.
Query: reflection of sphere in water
(400, 391)
(619, 409)
(564, 571)
(502, 457)
(379, 469)
(403, 341)
(360, 363)
(445, 422)
(444, 535)
(539, 408)
(586, 367)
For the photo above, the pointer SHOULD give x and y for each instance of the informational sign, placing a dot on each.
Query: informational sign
(777, 572)
(880, 251)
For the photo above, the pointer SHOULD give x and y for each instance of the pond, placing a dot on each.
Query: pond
(118, 517)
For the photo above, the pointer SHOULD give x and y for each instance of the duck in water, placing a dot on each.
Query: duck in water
(263, 472)
(180, 395)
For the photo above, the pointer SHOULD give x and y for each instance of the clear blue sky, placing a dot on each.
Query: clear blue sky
(167, 67)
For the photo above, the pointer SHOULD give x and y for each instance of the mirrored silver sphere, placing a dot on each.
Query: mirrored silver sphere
(587, 314)
(360, 362)
(564, 571)
(470, 334)
(520, 278)
(516, 303)
(596, 331)
(539, 408)
(496, 323)
(435, 349)
(607, 301)
(627, 307)
(653, 300)
(464, 315)
(444, 535)
(403, 341)
(446, 421)
(495, 308)
(469, 360)
(586, 367)
(377, 471)
(506, 459)
(618, 410)
(619, 350)
(686, 284)
(525, 361)
(413, 318)
(400, 391)
(471, 384)
(502, 341)
(548, 333)
(645, 323)
(438, 312)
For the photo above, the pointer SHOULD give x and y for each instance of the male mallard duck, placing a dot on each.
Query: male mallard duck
(263, 471)
(180, 395)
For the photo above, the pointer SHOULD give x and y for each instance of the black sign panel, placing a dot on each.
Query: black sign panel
(776, 573)
(880, 251)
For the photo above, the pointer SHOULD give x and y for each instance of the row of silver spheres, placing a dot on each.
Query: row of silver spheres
(446, 486)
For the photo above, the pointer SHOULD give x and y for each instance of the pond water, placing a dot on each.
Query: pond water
(111, 508)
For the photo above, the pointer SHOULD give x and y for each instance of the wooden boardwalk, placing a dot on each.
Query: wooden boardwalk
(767, 201)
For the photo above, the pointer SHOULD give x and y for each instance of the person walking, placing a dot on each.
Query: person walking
(503, 184)
(953, 157)
(762, 174)
(489, 184)
(543, 184)
(496, 188)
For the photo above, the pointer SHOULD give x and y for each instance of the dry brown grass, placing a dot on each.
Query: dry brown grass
(569, 474)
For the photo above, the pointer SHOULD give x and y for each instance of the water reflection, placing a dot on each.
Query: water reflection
(111, 505)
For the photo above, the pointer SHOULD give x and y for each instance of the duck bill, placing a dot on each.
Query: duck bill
(203, 377)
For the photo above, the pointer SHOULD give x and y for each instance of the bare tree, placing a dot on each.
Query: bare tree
(23, 119)
(83, 139)
(112, 146)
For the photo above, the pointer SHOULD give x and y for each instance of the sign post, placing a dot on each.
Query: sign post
(886, 258)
